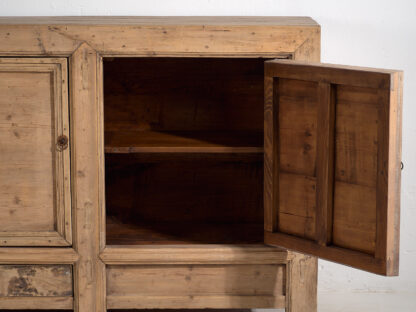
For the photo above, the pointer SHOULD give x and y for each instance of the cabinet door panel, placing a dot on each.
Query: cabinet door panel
(332, 162)
(34, 153)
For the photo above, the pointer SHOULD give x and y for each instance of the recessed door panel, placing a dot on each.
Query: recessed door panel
(34, 153)
(332, 162)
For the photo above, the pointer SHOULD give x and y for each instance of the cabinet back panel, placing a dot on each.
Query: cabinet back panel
(183, 94)
(189, 198)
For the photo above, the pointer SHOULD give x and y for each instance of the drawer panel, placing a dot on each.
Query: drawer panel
(35, 281)
(195, 286)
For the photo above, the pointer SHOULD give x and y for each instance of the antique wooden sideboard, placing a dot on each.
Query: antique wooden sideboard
(168, 162)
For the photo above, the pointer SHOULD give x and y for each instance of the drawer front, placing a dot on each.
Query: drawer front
(34, 153)
(195, 286)
(36, 286)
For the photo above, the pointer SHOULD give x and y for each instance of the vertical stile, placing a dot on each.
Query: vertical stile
(325, 162)
(271, 154)
(382, 174)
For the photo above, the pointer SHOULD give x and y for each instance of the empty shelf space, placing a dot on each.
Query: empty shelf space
(183, 142)
(119, 233)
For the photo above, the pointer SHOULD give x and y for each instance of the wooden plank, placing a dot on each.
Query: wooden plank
(213, 36)
(194, 254)
(297, 205)
(325, 163)
(194, 302)
(183, 142)
(196, 286)
(355, 217)
(181, 232)
(271, 154)
(37, 255)
(30, 303)
(344, 256)
(35, 281)
(297, 124)
(336, 74)
(163, 20)
(34, 113)
(388, 175)
(85, 147)
(301, 283)
(356, 135)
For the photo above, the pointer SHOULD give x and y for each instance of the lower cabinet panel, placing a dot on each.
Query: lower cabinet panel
(36, 287)
(195, 286)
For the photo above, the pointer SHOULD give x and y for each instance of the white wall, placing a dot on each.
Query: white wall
(370, 33)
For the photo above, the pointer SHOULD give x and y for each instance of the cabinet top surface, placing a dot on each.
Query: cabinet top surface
(163, 20)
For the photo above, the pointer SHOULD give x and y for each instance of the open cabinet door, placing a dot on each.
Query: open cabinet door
(332, 162)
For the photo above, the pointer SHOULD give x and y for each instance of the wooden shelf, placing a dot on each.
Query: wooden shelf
(119, 233)
(183, 142)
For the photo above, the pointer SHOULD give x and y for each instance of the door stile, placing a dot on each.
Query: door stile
(271, 153)
(89, 270)
(325, 162)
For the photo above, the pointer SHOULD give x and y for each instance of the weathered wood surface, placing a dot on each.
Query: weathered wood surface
(82, 40)
(167, 36)
(37, 255)
(35, 207)
(194, 254)
(301, 283)
(36, 304)
(198, 286)
(355, 164)
(88, 295)
(36, 281)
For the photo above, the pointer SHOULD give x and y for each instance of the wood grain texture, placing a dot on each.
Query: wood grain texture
(164, 20)
(231, 37)
(199, 36)
(357, 172)
(85, 151)
(194, 254)
(37, 255)
(36, 303)
(196, 286)
(301, 283)
(35, 281)
(290, 156)
(325, 163)
(185, 199)
(172, 232)
(184, 142)
(183, 94)
(34, 171)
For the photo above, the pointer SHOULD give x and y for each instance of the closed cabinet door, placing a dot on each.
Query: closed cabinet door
(35, 202)
(332, 162)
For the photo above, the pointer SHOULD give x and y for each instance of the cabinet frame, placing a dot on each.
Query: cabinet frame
(84, 41)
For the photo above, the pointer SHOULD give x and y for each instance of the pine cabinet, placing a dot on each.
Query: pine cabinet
(189, 162)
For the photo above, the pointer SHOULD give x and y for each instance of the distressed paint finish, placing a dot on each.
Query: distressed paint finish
(36, 281)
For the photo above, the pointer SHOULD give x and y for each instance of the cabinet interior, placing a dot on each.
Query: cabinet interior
(183, 150)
